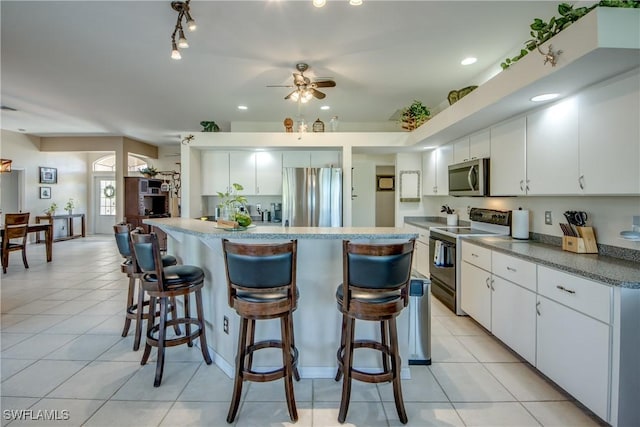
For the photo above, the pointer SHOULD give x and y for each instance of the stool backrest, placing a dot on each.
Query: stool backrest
(15, 227)
(262, 267)
(376, 267)
(148, 258)
(123, 240)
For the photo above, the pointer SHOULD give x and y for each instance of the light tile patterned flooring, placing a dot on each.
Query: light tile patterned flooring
(61, 350)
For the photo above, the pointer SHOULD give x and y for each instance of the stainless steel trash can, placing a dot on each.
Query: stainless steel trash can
(420, 322)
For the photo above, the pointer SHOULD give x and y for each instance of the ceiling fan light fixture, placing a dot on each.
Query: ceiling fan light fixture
(319, 3)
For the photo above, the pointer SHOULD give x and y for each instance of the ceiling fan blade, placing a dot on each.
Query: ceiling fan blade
(279, 86)
(317, 94)
(289, 96)
(325, 83)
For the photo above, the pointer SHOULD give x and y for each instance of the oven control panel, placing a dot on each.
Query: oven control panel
(490, 216)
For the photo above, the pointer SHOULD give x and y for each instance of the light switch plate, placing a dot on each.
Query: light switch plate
(547, 218)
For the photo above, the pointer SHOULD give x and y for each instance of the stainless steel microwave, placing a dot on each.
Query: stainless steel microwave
(469, 178)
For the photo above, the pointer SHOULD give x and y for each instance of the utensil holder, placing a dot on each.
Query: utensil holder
(585, 244)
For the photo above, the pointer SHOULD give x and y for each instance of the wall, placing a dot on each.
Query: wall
(385, 200)
(608, 215)
(72, 167)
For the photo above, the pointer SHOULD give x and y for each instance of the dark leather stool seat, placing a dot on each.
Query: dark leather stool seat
(162, 284)
(374, 288)
(261, 282)
(129, 267)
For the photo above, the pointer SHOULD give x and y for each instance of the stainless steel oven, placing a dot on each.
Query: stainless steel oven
(442, 250)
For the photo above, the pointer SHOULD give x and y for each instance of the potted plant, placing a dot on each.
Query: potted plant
(69, 206)
(452, 217)
(232, 205)
(149, 171)
(51, 210)
(415, 115)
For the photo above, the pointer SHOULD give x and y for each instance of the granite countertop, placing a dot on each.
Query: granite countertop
(207, 229)
(609, 270)
(431, 221)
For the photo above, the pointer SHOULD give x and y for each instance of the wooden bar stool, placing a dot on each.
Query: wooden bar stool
(375, 288)
(162, 284)
(129, 267)
(261, 282)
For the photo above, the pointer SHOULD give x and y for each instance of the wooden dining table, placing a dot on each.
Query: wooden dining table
(48, 236)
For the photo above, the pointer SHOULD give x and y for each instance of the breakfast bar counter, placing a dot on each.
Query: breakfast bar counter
(319, 272)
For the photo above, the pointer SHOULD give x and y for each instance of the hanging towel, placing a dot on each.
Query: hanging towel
(441, 257)
(436, 253)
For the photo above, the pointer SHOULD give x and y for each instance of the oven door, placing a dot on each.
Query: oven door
(443, 260)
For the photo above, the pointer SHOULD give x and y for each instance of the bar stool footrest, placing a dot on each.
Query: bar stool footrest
(251, 375)
(171, 342)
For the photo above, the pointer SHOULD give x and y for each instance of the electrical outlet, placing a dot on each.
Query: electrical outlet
(225, 325)
(468, 210)
(547, 218)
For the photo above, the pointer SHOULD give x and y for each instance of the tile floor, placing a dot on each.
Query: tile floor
(61, 350)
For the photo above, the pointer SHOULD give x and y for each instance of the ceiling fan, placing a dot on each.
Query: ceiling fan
(305, 89)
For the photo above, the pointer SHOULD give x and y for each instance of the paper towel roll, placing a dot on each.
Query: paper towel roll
(520, 224)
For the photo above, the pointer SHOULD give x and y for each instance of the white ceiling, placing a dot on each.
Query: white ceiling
(104, 67)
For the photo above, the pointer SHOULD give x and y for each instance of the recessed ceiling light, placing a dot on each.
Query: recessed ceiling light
(355, 2)
(319, 3)
(325, 107)
(544, 97)
(468, 61)
(242, 107)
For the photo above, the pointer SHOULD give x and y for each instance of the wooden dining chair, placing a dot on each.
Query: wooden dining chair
(15, 228)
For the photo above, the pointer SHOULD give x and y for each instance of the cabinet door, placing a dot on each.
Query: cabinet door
(325, 159)
(610, 137)
(552, 149)
(422, 258)
(461, 150)
(476, 293)
(573, 350)
(242, 170)
(508, 170)
(480, 145)
(269, 173)
(215, 172)
(429, 161)
(296, 159)
(513, 317)
(445, 158)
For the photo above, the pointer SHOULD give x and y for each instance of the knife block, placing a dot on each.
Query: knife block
(585, 244)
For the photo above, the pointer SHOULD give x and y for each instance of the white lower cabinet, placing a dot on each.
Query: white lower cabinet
(573, 350)
(513, 317)
(422, 258)
(476, 293)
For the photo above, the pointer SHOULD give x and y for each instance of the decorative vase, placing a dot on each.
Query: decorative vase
(452, 219)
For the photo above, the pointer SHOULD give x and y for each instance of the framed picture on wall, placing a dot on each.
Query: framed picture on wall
(45, 192)
(48, 175)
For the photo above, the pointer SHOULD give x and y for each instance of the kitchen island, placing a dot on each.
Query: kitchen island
(319, 271)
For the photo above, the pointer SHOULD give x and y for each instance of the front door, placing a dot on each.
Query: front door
(105, 204)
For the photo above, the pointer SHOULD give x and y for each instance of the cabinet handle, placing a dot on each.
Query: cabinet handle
(527, 186)
(562, 288)
(581, 182)
(538, 308)
(522, 185)
(474, 255)
(492, 288)
(487, 282)
(511, 269)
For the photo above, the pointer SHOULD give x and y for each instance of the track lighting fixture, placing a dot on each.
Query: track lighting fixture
(182, 7)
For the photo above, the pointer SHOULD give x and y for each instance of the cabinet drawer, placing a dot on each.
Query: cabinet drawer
(586, 296)
(423, 235)
(476, 255)
(514, 269)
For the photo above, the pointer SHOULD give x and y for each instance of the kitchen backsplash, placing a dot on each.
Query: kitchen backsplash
(209, 203)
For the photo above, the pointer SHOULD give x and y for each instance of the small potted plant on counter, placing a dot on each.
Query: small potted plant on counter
(231, 203)
(452, 217)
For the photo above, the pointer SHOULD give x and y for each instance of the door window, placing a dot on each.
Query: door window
(107, 197)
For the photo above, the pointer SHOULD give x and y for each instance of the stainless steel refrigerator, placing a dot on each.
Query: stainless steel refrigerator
(312, 197)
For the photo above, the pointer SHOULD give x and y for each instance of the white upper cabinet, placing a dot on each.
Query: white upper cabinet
(610, 137)
(296, 159)
(480, 145)
(508, 165)
(269, 173)
(242, 170)
(325, 159)
(215, 172)
(552, 149)
(435, 171)
(461, 150)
